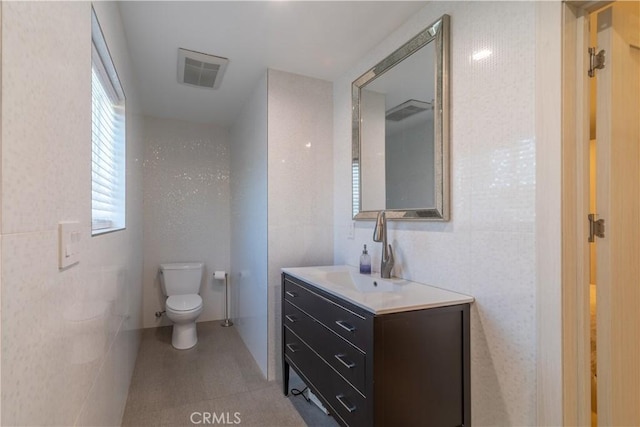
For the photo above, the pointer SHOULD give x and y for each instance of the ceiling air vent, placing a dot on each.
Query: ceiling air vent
(200, 69)
(407, 109)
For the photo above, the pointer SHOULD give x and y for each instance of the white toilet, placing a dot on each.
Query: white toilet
(181, 284)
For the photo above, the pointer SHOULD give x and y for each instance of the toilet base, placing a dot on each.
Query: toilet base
(184, 336)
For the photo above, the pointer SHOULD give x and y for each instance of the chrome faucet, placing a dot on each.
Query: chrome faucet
(380, 235)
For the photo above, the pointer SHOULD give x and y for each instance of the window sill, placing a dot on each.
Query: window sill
(102, 231)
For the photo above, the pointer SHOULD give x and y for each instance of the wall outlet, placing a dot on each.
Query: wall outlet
(69, 236)
(351, 231)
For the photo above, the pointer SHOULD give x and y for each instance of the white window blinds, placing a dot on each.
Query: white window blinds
(355, 188)
(108, 140)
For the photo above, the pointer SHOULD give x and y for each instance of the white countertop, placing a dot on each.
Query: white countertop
(385, 296)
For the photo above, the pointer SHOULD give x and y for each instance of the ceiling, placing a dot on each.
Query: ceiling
(321, 39)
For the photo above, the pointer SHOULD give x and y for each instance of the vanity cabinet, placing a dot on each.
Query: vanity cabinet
(406, 368)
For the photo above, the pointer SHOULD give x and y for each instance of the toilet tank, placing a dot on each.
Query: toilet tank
(181, 278)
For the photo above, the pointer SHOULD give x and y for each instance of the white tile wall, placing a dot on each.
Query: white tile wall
(282, 208)
(300, 173)
(1, 329)
(249, 224)
(488, 248)
(186, 208)
(63, 332)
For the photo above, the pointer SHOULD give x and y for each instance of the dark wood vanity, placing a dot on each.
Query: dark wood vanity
(405, 368)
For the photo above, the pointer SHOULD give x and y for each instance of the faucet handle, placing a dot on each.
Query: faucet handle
(391, 260)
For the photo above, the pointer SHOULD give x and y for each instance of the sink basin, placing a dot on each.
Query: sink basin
(373, 293)
(365, 282)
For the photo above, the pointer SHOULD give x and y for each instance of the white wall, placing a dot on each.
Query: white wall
(248, 280)
(1, 292)
(69, 338)
(300, 176)
(488, 248)
(548, 103)
(281, 206)
(186, 209)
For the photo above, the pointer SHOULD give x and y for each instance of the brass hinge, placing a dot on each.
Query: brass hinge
(596, 61)
(596, 228)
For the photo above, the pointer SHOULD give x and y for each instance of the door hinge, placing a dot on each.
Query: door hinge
(596, 61)
(596, 228)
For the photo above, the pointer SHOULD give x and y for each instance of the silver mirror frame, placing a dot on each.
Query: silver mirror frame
(438, 32)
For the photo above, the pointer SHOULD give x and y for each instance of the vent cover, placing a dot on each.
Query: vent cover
(407, 109)
(199, 69)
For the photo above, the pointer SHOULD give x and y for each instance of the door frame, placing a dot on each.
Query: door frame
(576, 350)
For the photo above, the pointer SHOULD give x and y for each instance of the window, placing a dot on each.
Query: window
(355, 187)
(108, 136)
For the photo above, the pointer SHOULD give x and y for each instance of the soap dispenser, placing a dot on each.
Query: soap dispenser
(365, 262)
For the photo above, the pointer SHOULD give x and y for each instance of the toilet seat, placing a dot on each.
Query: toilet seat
(181, 303)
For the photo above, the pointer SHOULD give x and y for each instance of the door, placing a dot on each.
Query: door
(618, 203)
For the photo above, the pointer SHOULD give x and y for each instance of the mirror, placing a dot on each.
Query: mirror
(400, 122)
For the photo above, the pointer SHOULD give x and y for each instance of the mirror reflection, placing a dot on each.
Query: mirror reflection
(400, 133)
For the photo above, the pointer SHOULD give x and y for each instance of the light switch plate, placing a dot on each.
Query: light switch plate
(69, 236)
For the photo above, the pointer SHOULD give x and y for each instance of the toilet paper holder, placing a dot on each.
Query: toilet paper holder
(220, 275)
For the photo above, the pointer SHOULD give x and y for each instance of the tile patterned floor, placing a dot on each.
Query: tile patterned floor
(216, 378)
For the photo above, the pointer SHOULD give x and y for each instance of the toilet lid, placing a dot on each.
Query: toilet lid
(184, 302)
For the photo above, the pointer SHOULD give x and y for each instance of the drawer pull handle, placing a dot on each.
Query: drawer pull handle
(344, 361)
(292, 348)
(344, 402)
(291, 294)
(291, 318)
(344, 325)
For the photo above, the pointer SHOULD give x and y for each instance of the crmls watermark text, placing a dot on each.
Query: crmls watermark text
(215, 418)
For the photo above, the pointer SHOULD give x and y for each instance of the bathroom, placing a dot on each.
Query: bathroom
(270, 189)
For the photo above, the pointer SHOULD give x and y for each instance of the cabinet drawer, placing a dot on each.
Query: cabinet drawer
(300, 355)
(342, 356)
(349, 325)
(344, 400)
